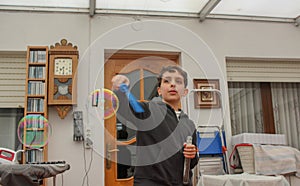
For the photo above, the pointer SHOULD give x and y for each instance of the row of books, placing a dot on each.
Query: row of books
(35, 105)
(37, 56)
(34, 155)
(35, 121)
(36, 72)
(35, 138)
(36, 88)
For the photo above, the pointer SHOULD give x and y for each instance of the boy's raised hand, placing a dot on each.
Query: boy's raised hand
(118, 80)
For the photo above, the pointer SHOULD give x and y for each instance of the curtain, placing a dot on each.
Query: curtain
(245, 107)
(285, 100)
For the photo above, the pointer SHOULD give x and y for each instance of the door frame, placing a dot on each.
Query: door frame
(126, 57)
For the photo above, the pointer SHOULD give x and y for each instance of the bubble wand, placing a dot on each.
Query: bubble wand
(187, 161)
(132, 100)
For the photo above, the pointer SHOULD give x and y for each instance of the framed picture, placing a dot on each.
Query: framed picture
(206, 99)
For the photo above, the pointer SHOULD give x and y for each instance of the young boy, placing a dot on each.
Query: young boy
(162, 130)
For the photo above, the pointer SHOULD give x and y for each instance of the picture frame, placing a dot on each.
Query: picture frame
(206, 99)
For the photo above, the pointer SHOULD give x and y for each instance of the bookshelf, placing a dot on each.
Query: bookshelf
(35, 124)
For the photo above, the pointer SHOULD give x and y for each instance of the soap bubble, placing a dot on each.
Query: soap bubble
(106, 101)
(34, 131)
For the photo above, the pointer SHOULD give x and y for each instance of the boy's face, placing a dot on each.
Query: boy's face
(172, 87)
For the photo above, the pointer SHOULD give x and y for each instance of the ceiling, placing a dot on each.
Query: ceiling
(268, 10)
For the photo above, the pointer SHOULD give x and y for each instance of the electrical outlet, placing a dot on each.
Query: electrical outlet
(88, 140)
(88, 133)
(88, 143)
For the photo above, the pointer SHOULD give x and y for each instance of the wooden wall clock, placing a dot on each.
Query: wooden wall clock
(63, 61)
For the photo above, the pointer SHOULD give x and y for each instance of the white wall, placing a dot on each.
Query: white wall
(204, 47)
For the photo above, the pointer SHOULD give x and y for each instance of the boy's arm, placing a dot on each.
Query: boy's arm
(125, 111)
(134, 104)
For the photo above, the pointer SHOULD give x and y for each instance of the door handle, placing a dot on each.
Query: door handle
(113, 150)
(109, 152)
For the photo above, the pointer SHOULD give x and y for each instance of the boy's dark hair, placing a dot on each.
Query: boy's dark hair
(172, 69)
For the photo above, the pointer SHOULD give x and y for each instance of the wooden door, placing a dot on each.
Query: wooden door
(141, 68)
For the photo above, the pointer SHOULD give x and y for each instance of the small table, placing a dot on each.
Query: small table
(25, 174)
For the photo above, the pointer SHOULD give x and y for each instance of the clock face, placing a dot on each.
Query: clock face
(63, 66)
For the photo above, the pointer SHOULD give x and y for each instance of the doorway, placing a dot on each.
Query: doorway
(142, 68)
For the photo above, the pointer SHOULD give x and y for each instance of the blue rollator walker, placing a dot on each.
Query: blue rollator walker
(211, 142)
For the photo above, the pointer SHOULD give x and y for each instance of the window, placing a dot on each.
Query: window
(9, 119)
(12, 78)
(263, 107)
